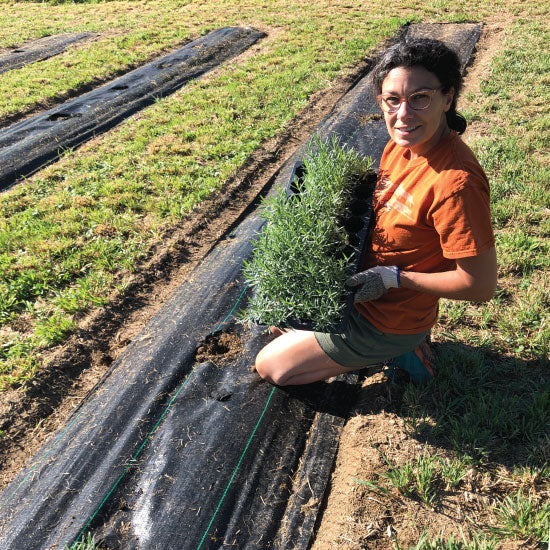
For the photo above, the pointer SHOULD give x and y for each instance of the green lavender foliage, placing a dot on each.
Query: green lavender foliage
(298, 266)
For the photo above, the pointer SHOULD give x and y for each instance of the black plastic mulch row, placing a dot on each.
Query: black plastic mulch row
(38, 50)
(27, 146)
(173, 452)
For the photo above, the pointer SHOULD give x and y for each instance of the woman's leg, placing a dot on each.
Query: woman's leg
(295, 358)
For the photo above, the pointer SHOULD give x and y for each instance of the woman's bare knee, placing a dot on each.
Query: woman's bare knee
(294, 357)
(270, 369)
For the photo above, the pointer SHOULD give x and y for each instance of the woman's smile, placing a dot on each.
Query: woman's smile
(406, 130)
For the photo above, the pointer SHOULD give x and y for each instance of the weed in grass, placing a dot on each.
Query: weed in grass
(479, 541)
(522, 516)
(18, 359)
(53, 329)
(426, 476)
(419, 422)
(402, 478)
(454, 311)
(299, 265)
(372, 485)
(523, 253)
(418, 478)
(453, 471)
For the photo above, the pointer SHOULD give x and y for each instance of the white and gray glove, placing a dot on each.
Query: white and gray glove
(374, 282)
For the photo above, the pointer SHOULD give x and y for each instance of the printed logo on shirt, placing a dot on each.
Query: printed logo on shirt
(392, 196)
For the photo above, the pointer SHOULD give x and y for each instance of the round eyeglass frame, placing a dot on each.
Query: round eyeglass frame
(381, 98)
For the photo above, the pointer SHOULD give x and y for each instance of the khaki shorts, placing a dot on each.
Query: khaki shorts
(363, 345)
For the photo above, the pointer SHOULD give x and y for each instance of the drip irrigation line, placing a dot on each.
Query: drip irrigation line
(232, 309)
(42, 458)
(133, 459)
(150, 434)
(237, 467)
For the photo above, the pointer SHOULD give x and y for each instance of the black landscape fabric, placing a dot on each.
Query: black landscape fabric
(27, 146)
(181, 446)
(38, 50)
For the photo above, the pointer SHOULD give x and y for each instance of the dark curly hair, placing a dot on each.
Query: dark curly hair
(435, 57)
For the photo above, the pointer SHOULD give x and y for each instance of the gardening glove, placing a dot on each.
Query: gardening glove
(374, 282)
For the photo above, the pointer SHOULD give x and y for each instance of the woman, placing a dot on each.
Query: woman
(432, 236)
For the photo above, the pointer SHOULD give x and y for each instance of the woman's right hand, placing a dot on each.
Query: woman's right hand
(374, 282)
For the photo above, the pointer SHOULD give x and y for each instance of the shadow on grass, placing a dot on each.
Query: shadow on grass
(483, 405)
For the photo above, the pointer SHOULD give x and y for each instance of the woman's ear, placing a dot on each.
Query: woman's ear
(449, 96)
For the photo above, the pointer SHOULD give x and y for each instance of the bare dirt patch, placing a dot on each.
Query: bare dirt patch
(28, 415)
(220, 346)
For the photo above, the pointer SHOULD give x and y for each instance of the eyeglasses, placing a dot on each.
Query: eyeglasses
(418, 101)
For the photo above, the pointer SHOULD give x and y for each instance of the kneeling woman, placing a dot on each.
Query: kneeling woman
(432, 236)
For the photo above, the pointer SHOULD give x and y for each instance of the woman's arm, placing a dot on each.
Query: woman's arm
(474, 279)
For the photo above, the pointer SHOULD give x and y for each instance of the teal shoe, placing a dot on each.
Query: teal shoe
(420, 363)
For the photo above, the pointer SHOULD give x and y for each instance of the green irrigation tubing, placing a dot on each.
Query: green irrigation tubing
(149, 435)
(232, 309)
(237, 467)
(132, 460)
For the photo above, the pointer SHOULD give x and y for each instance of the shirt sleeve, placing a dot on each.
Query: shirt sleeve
(463, 219)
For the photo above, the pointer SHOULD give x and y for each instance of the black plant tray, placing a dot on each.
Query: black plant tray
(356, 223)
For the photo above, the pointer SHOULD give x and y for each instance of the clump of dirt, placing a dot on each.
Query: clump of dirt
(365, 119)
(220, 346)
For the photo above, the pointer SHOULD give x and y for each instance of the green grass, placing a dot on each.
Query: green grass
(85, 543)
(522, 516)
(478, 542)
(425, 478)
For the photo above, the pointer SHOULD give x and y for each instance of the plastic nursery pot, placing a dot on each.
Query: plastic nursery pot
(296, 179)
(363, 190)
(353, 224)
(358, 207)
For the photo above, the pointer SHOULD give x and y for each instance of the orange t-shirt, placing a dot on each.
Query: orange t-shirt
(428, 211)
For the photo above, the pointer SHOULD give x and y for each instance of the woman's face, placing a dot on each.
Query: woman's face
(418, 130)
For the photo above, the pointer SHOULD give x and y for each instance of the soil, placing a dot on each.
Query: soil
(354, 515)
(220, 346)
